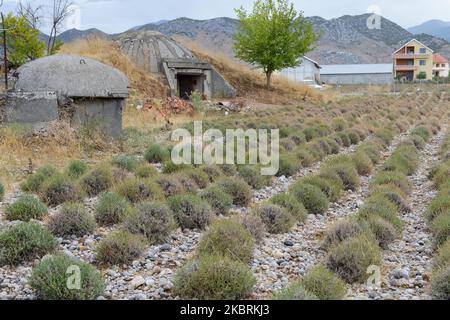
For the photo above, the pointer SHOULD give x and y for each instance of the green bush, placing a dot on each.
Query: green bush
(277, 219)
(395, 178)
(392, 194)
(35, 181)
(120, 247)
(50, 278)
(381, 208)
(190, 211)
(152, 220)
(441, 176)
(157, 153)
(363, 163)
(72, 220)
(422, 132)
(220, 201)
(187, 182)
(145, 171)
(352, 258)
(199, 176)
(312, 198)
(329, 187)
(341, 231)
(417, 142)
(346, 142)
(214, 278)
(441, 228)
(111, 209)
(2, 192)
(442, 259)
(252, 175)
(25, 242)
(289, 165)
(213, 172)
(439, 205)
(404, 160)
(440, 284)
(239, 190)
(334, 146)
(295, 291)
(97, 180)
(291, 204)
(59, 189)
(384, 232)
(305, 157)
(229, 169)
(126, 162)
(170, 185)
(170, 167)
(137, 190)
(76, 169)
(255, 225)
(385, 135)
(25, 209)
(353, 136)
(227, 238)
(370, 149)
(324, 284)
(346, 172)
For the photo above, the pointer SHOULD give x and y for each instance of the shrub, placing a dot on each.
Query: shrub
(170, 185)
(25, 242)
(97, 181)
(346, 142)
(227, 238)
(152, 220)
(228, 169)
(214, 278)
(252, 175)
(346, 172)
(170, 167)
(439, 205)
(199, 177)
(126, 162)
(239, 190)
(371, 150)
(254, 224)
(111, 209)
(157, 153)
(442, 259)
(334, 146)
(295, 291)
(381, 208)
(441, 228)
(2, 192)
(137, 190)
(213, 172)
(49, 279)
(384, 232)
(313, 199)
(277, 219)
(329, 187)
(417, 142)
(440, 284)
(72, 220)
(187, 182)
(397, 179)
(25, 209)
(363, 163)
(34, 182)
(58, 189)
(393, 194)
(403, 160)
(385, 136)
(291, 204)
(354, 137)
(305, 157)
(422, 132)
(76, 169)
(220, 201)
(352, 258)
(441, 176)
(145, 171)
(289, 165)
(191, 212)
(324, 284)
(120, 247)
(341, 231)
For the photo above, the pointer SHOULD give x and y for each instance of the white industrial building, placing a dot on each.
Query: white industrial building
(357, 73)
(308, 72)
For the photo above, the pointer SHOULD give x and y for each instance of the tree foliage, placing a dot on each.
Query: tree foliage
(274, 36)
(22, 41)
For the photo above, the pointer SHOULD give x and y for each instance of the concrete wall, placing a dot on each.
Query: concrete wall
(220, 87)
(102, 114)
(32, 108)
(307, 71)
(382, 78)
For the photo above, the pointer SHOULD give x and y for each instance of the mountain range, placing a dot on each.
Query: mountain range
(343, 40)
(437, 28)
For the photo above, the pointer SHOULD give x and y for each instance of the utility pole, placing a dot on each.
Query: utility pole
(5, 54)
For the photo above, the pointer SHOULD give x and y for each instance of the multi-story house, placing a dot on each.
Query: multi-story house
(413, 61)
(441, 68)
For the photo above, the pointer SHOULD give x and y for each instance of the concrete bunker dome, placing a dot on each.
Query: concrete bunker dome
(168, 59)
(81, 90)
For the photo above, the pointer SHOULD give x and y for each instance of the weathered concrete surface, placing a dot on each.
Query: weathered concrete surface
(381, 78)
(220, 87)
(30, 107)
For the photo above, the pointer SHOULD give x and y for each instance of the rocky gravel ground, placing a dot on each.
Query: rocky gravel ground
(408, 261)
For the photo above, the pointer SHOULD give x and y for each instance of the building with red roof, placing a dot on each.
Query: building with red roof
(441, 66)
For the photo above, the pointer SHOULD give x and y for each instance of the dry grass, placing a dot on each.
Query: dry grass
(143, 84)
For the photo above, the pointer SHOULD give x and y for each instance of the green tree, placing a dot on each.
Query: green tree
(22, 41)
(274, 36)
(422, 75)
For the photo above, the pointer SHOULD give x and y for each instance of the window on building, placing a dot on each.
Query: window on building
(423, 50)
(423, 62)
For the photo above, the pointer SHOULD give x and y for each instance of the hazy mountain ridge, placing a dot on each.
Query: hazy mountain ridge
(437, 28)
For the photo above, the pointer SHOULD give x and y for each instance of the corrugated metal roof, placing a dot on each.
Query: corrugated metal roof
(356, 68)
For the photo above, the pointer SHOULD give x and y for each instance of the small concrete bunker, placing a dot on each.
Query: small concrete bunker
(167, 59)
(81, 90)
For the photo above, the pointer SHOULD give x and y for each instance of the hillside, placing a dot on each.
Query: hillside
(437, 28)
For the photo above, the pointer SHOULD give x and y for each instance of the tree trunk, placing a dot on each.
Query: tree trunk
(269, 79)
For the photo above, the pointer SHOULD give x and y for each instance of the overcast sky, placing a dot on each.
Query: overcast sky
(115, 16)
